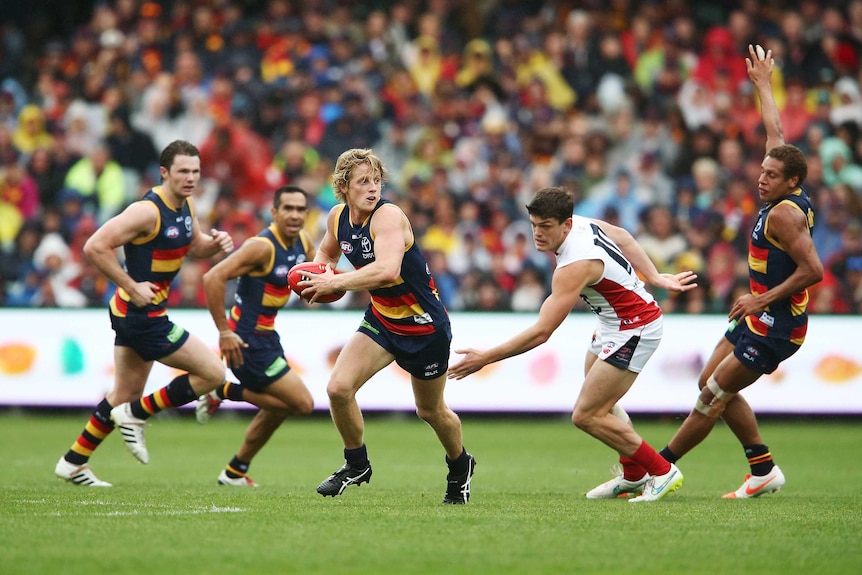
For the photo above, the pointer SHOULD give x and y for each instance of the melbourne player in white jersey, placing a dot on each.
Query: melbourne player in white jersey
(596, 262)
(630, 320)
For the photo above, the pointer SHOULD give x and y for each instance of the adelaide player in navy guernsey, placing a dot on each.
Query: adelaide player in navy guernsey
(769, 324)
(405, 321)
(247, 336)
(155, 233)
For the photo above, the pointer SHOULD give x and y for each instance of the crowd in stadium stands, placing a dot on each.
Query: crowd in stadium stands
(643, 109)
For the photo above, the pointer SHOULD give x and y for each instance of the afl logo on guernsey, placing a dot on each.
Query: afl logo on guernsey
(172, 232)
(346, 247)
(281, 271)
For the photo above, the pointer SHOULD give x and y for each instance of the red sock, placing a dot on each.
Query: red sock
(631, 470)
(649, 459)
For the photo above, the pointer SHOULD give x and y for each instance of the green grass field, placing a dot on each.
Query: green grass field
(527, 514)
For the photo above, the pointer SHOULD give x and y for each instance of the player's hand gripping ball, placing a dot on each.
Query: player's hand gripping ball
(298, 273)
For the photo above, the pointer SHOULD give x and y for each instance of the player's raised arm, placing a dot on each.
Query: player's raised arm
(760, 73)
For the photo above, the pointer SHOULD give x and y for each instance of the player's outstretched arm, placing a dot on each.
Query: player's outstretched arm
(566, 287)
(636, 255)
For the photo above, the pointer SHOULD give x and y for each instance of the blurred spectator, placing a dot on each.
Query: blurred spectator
(83, 127)
(846, 267)
(849, 105)
(476, 64)
(188, 288)
(427, 154)
(56, 271)
(8, 152)
(530, 290)
(707, 183)
(444, 280)
(661, 70)
(19, 190)
(532, 64)
(441, 235)
(803, 56)
(697, 104)
(720, 69)
(90, 281)
(16, 258)
(293, 160)
(352, 129)
(48, 173)
(100, 181)
(721, 272)
(660, 238)
(67, 212)
(12, 98)
(393, 148)
(425, 64)
(580, 51)
(380, 39)
(650, 176)
(489, 296)
(520, 253)
(619, 194)
(795, 116)
(739, 208)
(238, 159)
(833, 218)
(838, 165)
(31, 132)
(132, 148)
(166, 116)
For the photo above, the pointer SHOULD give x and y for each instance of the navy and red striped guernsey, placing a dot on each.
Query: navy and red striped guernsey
(156, 258)
(408, 306)
(260, 295)
(768, 266)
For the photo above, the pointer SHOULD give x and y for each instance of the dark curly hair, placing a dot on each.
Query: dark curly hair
(793, 159)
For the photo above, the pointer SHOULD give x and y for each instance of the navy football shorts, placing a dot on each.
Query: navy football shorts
(761, 354)
(263, 361)
(423, 357)
(151, 337)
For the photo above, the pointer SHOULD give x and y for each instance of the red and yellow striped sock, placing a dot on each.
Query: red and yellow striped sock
(237, 468)
(229, 390)
(178, 392)
(759, 459)
(97, 429)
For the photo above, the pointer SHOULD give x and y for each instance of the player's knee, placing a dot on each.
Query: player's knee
(339, 392)
(430, 415)
(712, 399)
(213, 374)
(583, 420)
